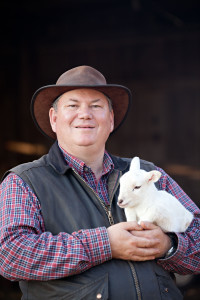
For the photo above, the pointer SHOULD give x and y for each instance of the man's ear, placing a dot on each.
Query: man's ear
(53, 118)
(112, 121)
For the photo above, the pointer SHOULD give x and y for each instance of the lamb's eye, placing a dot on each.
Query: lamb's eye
(137, 187)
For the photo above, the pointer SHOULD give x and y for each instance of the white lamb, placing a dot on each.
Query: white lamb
(142, 201)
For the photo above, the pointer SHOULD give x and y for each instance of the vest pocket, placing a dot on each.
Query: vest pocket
(167, 286)
(97, 289)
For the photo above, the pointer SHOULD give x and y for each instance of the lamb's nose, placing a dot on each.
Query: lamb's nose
(120, 201)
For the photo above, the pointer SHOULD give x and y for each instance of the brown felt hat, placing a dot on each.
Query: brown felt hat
(76, 78)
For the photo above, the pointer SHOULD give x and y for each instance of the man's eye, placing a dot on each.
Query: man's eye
(95, 106)
(72, 105)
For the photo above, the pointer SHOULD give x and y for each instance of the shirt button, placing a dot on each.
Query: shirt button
(166, 290)
(99, 296)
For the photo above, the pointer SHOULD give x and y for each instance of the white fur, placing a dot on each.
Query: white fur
(142, 201)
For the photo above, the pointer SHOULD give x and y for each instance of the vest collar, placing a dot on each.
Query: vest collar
(59, 164)
(57, 160)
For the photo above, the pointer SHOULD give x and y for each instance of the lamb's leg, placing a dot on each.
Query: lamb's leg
(130, 214)
(148, 217)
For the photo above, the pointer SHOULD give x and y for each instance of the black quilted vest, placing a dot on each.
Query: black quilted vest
(68, 204)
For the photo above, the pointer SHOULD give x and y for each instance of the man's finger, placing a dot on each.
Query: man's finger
(148, 225)
(142, 258)
(131, 225)
(142, 242)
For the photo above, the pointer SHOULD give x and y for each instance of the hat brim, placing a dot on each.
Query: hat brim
(44, 97)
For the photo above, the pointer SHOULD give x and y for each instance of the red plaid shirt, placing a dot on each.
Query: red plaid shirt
(30, 253)
(100, 187)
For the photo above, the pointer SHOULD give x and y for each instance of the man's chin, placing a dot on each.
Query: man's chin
(84, 143)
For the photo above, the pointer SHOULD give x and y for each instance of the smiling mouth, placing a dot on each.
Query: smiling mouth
(84, 127)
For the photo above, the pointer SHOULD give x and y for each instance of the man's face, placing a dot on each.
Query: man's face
(82, 118)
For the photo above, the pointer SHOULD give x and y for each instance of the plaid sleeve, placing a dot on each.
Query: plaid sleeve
(186, 259)
(30, 253)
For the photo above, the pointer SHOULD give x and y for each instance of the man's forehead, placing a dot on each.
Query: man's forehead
(83, 96)
(86, 99)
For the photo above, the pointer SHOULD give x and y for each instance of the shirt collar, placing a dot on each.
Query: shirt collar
(79, 166)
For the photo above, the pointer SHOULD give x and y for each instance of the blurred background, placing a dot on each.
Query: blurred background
(152, 47)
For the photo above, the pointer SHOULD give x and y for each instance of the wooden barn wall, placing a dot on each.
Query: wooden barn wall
(162, 72)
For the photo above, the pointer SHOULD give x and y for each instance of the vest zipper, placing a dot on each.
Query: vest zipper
(135, 279)
(111, 221)
(107, 208)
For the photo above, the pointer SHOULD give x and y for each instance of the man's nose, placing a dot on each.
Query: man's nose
(85, 113)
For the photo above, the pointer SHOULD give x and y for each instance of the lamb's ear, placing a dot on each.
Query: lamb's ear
(153, 176)
(135, 164)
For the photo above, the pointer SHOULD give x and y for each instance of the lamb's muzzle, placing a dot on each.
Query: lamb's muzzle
(120, 201)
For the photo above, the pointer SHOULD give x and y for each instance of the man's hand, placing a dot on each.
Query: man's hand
(130, 241)
(155, 232)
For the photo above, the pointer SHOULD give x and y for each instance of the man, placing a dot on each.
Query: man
(62, 234)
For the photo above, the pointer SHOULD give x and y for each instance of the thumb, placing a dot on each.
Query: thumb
(148, 225)
(132, 225)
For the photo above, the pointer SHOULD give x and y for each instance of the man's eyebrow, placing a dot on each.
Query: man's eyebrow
(96, 100)
(75, 100)
(71, 99)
